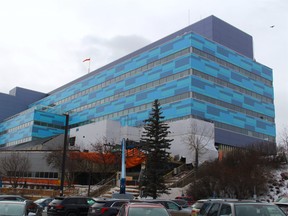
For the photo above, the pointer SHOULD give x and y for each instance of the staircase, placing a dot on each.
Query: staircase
(130, 189)
(179, 177)
(180, 180)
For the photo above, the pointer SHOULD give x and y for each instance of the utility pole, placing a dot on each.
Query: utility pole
(64, 154)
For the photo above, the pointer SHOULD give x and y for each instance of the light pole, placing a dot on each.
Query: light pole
(89, 182)
(123, 169)
(64, 154)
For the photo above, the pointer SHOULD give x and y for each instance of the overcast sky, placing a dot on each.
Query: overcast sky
(44, 42)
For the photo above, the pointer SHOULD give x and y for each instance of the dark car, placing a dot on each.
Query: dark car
(108, 207)
(141, 209)
(69, 206)
(19, 208)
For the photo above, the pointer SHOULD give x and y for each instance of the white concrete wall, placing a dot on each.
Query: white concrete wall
(179, 132)
(114, 133)
(132, 133)
(96, 132)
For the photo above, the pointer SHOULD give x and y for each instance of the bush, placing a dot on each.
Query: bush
(239, 174)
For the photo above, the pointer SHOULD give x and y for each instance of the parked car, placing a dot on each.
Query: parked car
(12, 197)
(18, 208)
(107, 207)
(197, 206)
(282, 202)
(207, 204)
(43, 202)
(18, 198)
(34, 207)
(69, 206)
(189, 199)
(142, 208)
(173, 208)
(181, 202)
(240, 208)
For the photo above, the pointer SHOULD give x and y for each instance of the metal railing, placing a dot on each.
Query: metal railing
(185, 180)
(104, 186)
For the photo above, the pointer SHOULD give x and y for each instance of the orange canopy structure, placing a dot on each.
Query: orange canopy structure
(134, 157)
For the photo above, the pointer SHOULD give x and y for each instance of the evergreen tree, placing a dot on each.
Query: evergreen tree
(155, 146)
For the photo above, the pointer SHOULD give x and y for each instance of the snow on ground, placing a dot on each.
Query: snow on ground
(277, 185)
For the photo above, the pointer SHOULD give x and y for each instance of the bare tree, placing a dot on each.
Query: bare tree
(198, 138)
(284, 138)
(108, 156)
(54, 159)
(14, 166)
(239, 174)
(263, 147)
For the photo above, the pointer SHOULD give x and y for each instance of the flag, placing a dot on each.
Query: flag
(88, 59)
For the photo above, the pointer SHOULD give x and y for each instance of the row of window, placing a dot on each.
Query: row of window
(232, 107)
(50, 175)
(10, 130)
(231, 66)
(29, 124)
(232, 86)
(16, 142)
(45, 124)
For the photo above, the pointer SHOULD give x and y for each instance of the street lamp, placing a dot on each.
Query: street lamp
(123, 169)
(64, 153)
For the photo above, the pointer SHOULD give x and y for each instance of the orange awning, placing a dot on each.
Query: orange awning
(134, 157)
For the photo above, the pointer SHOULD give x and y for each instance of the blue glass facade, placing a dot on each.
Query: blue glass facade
(190, 74)
(30, 125)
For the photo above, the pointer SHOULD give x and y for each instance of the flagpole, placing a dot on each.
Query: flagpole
(88, 59)
(89, 66)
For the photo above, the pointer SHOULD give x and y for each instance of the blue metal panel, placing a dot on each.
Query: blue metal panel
(42, 132)
(226, 34)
